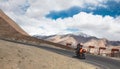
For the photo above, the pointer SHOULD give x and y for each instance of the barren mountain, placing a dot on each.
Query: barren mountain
(69, 38)
(11, 31)
(80, 38)
(8, 28)
(100, 42)
(62, 40)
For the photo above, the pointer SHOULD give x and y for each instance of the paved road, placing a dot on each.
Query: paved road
(102, 62)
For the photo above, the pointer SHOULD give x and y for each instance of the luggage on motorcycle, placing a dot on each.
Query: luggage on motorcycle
(82, 50)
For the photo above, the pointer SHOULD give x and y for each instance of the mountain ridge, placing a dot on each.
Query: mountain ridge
(74, 39)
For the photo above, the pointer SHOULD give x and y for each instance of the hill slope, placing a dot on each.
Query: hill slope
(9, 28)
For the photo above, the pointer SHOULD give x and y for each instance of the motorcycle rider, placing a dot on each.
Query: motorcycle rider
(79, 47)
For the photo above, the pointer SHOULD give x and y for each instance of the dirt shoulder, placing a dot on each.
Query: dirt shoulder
(19, 56)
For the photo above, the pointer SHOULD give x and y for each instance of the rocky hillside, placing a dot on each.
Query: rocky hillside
(74, 39)
(11, 31)
(9, 28)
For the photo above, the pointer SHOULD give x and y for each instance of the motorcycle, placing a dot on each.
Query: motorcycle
(81, 54)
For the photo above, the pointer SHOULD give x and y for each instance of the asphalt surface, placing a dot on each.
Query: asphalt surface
(102, 62)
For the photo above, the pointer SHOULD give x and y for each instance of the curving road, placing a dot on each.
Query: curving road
(102, 62)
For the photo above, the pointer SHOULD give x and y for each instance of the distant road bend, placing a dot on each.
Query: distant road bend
(102, 62)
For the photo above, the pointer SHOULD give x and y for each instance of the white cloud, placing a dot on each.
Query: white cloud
(104, 27)
(34, 22)
(39, 8)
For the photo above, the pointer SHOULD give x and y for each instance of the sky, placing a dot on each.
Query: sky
(100, 18)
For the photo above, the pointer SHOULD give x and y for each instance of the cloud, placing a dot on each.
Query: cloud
(18, 7)
(73, 30)
(110, 8)
(96, 25)
(30, 15)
